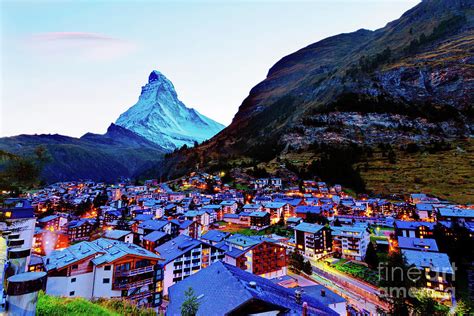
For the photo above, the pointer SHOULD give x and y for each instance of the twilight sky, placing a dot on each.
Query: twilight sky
(73, 67)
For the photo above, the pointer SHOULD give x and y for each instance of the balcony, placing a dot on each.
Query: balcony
(140, 296)
(127, 286)
(134, 271)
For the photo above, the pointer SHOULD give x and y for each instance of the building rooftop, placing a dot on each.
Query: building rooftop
(234, 288)
(177, 247)
(423, 244)
(215, 235)
(322, 294)
(456, 212)
(413, 225)
(309, 228)
(103, 250)
(155, 236)
(116, 233)
(435, 261)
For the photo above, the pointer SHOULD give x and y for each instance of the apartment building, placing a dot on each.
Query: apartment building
(350, 241)
(184, 256)
(313, 240)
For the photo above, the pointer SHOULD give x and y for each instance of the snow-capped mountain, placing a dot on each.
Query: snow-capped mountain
(162, 118)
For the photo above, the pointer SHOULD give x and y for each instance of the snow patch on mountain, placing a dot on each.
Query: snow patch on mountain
(162, 118)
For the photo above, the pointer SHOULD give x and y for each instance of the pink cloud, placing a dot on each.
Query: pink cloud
(90, 46)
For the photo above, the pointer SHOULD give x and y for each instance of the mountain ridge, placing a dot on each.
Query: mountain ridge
(409, 82)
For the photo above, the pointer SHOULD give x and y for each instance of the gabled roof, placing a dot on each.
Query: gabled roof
(228, 202)
(143, 217)
(48, 218)
(177, 247)
(435, 261)
(153, 224)
(423, 244)
(232, 287)
(456, 212)
(155, 236)
(215, 235)
(182, 224)
(116, 233)
(103, 250)
(413, 225)
(303, 209)
(309, 228)
(251, 206)
(259, 214)
(275, 204)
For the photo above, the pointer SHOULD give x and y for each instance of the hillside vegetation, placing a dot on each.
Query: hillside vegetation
(59, 306)
(409, 82)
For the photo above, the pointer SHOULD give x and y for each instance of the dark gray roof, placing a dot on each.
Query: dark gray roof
(231, 286)
(215, 235)
(176, 247)
(329, 296)
(155, 235)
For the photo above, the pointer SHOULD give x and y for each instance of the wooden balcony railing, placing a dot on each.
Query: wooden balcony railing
(134, 271)
(127, 286)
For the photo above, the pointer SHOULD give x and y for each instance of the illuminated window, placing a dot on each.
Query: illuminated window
(8, 214)
(428, 284)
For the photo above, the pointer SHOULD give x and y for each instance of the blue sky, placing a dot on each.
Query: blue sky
(71, 67)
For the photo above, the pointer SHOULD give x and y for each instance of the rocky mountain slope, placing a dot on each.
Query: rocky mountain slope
(162, 118)
(410, 82)
(117, 153)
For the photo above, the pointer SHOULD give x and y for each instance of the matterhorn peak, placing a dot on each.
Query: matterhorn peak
(162, 118)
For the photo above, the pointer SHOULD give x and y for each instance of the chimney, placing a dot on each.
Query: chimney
(305, 309)
(298, 296)
(253, 284)
(323, 292)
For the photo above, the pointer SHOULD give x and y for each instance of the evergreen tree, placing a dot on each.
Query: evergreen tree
(308, 268)
(371, 256)
(190, 305)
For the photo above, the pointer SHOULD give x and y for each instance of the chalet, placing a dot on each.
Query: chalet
(229, 206)
(79, 230)
(51, 222)
(112, 215)
(205, 217)
(293, 221)
(461, 215)
(121, 235)
(259, 255)
(242, 218)
(414, 229)
(303, 211)
(259, 220)
(424, 210)
(252, 208)
(313, 240)
(105, 268)
(214, 237)
(215, 210)
(149, 226)
(420, 244)
(276, 210)
(436, 267)
(155, 239)
(188, 228)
